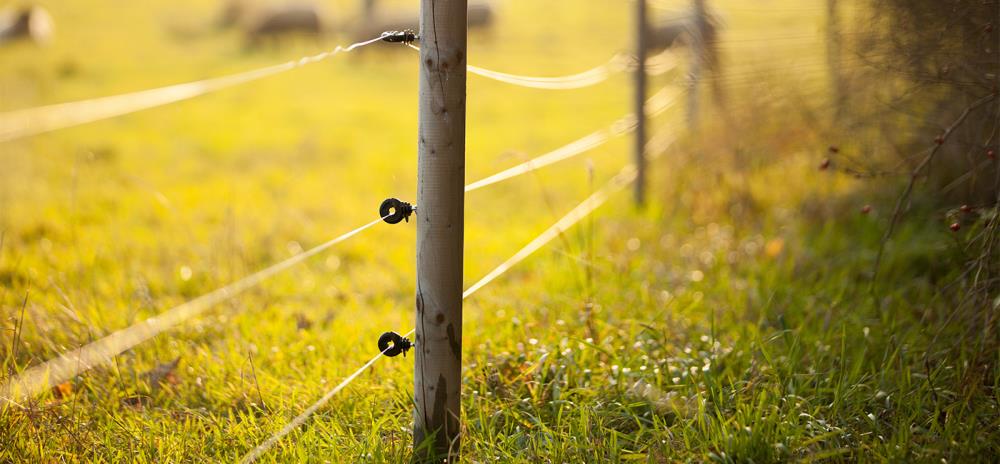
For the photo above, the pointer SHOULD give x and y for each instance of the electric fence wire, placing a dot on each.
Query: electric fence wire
(33, 121)
(654, 106)
(70, 364)
(587, 78)
(626, 176)
(39, 378)
(308, 412)
(653, 149)
(658, 64)
(618, 63)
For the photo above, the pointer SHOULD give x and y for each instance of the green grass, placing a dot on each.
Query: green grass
(731, 321)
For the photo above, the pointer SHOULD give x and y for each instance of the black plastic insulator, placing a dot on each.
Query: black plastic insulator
(404, 36)
(392, 344)
(393, 211)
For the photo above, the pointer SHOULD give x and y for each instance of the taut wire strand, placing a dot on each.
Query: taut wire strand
(60, 369)
(660, 64)
(302, 418)
(626, 176)
(656, 104)
(654, 148)
(587, 78)
(66, 366)
(33, 121)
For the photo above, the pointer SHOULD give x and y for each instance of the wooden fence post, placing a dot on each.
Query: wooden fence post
(699, 23)
(642, 39)
(440, 229)
(833, 58)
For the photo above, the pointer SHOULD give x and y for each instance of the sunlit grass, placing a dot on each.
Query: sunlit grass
(730, 321)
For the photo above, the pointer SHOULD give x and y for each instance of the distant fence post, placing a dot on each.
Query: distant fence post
(440, 229)
(699, 27)
(833, 58)
(641, 44)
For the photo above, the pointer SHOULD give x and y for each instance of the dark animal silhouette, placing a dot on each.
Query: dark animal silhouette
(686, 30)
(481, 14)
(31, 23)
(668, 34)
(233, 12)
(273, 23)
(679, 31)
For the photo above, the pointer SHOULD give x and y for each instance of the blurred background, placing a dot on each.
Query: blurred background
(855, 137)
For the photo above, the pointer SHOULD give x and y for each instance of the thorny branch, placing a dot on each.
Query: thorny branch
(915, 174)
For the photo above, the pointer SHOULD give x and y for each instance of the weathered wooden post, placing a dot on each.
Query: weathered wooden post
(699, 26)
(440, 229)
(833, 58)
(641, 44)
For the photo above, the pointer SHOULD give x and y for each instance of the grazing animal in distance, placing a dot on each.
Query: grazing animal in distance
(680, 29)
(276, 22)
(699, 33)
(481, 14)
(271, 22)
(31, 23)
(670, 33)
(233, 12)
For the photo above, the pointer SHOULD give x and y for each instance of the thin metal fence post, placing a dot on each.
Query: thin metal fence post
(642, 40)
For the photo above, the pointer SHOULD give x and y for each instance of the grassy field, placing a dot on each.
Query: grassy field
(731, 321)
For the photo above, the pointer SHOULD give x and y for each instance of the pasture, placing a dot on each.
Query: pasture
(733, 319)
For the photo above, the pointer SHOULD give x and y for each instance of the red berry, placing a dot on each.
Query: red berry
(834, 149)
(866, 209)
(955, 226)
(965, 209)
(825, 164)
(989, 27)
(991, 154)
(939, 139)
